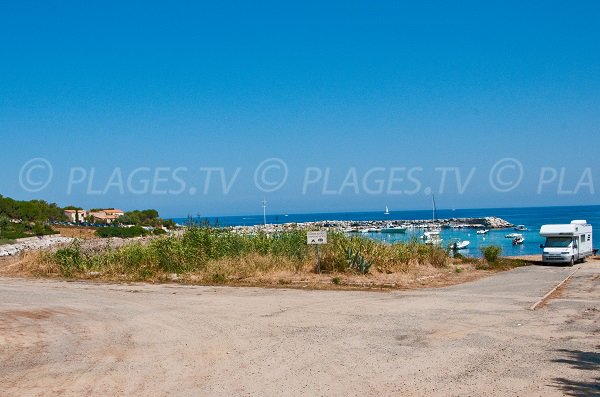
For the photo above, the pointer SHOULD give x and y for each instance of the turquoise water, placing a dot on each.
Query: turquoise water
(532, 218)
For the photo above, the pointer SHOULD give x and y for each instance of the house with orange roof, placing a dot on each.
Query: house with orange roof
(107, 215)
(75, 215)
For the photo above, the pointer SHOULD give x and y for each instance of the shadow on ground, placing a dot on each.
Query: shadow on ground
(549, 264)
(585, 361)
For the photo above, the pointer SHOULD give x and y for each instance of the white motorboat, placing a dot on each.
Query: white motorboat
(432, 237)
(521, 228)
(519, 239)
(483, 231)
(459, 245)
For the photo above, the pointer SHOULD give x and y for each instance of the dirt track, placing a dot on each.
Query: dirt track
(479, 338)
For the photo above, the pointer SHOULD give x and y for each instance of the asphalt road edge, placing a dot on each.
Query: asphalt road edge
(557, 286)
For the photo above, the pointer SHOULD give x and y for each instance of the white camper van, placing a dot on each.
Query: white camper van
(567, 243)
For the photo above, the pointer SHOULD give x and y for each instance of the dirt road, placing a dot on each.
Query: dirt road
(480, 338)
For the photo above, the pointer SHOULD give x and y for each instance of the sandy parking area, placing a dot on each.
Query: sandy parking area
(79, 339)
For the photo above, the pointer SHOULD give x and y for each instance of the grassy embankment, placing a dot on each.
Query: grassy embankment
(219, 256)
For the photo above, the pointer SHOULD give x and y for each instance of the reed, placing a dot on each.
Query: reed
(214, 255)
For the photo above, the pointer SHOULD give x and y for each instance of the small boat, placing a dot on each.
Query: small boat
(483, 231)
(370, 230)
(521, 228)
(512, 235)
(459, 245)
(393, 229)
(432, 237)
(434, 241)
(519, 239)
(387, 211)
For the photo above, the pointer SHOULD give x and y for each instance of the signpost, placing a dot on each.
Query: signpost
(316, 239)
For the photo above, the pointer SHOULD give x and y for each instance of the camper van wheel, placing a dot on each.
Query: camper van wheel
(572, 261)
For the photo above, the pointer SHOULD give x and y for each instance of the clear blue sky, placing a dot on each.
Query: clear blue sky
(339, 85)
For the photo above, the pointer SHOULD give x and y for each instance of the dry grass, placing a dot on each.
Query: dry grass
(259, 271)
(216, 257)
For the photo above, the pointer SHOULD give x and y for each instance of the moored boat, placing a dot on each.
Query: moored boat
(458, 244)
(432, 237)
(393, 229)
(519, 239)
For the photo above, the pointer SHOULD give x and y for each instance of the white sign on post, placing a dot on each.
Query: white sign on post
(316, 238)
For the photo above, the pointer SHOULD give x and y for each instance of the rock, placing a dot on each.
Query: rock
(32, 243)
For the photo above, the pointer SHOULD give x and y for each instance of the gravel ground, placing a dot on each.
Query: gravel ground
(85, 339)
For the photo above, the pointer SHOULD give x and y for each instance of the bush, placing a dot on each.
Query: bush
(42, 230)
(13, 234)
(12, 231)
(491, 253)
(123, 232)
(70, 259)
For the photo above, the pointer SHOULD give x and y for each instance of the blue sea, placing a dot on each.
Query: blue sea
(533, 218)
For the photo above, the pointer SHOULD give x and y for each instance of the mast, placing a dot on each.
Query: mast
(264, 205)
(434, 209)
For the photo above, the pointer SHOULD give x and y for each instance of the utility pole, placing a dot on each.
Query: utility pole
(264, 205)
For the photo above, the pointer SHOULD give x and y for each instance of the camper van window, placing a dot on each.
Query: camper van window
(557, 242)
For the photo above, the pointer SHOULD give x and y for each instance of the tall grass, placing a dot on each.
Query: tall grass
(218, 255)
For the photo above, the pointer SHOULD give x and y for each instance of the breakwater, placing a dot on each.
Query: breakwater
(489, 222)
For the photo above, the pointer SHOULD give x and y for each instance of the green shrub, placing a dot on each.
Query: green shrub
(13, 234)
(70, 259)
(491, 253)
(40, 229)
(122, 232)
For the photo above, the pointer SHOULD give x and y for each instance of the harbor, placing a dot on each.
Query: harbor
(397, 226)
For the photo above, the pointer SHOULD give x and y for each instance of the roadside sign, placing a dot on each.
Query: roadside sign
(316, 237)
